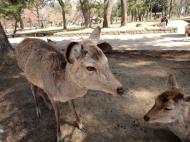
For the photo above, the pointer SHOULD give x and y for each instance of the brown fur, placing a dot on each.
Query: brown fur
(105, 47)
(187, 30)
(93, 52)
(173, 109)
(52, 59)
(64, 77)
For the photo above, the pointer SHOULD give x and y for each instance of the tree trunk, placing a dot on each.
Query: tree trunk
(132, 17)
(38, 16)
(21, 24)
(5, 46)
(107, 12)
(86, 12)
(15, 27)
(64, 19)
(123, 13)
(165, 11)
(150, 10)
(63, 14)
(170, 10)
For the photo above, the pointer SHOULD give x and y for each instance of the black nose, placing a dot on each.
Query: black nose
(146, 118)
(120, 91)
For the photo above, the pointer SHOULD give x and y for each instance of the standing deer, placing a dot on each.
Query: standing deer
(64, 77)
(172, 108)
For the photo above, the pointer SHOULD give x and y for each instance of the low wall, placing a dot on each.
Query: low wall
(121, 32)
(87, 33)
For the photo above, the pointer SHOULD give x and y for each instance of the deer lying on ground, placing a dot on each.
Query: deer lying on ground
(64, 77)
(187, 30)
(172, 108)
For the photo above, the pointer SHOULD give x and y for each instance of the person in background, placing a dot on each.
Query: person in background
(164, 19)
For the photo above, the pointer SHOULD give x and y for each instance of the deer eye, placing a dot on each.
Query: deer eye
(89, 68)
(167, 108)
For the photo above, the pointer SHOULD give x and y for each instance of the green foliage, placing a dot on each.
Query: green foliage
(157, 6)
(68, 6)
(96, 8)
(117, 9)
(8, 9)
(35, 4)
(137, 7)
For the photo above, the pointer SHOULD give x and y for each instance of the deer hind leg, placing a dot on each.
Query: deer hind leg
(57, 116)
(34, 90)
(79, 124)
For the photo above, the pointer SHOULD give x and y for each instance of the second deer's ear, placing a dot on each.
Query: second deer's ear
(172, 83)
(72, 52)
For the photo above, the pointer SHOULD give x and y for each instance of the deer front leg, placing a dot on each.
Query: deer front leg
(46, 99)
(34, 89)
(57, 116)
(72, 106)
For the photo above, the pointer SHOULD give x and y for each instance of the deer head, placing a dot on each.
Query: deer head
(167, 105)
(88, 66)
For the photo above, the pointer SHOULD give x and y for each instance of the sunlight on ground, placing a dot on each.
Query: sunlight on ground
(156, 72)
(70, 133)
(136, 64)
(139, 101)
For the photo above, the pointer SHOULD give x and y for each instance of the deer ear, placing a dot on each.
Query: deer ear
(72, 52)
(95, 35)
(172, 81)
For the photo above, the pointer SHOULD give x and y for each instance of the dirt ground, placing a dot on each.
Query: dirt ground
(107, 118)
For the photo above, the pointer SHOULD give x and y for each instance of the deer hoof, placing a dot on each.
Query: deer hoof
(38, 112)
(82, 127)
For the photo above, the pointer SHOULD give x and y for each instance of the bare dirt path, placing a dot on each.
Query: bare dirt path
(129, 42)
(108, 119)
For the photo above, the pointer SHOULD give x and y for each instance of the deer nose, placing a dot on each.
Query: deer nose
(146, 118)
(120, 91)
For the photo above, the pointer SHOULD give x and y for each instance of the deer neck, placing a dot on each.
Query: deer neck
(68, 89)
(181, 127)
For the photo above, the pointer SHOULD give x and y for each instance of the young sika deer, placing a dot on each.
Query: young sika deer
(172, 108)
(66, 77)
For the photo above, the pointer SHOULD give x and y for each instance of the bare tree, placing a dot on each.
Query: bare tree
(123, 13)
(107, 12)
(187, 5)
(86, 12)
(149, 12)
(63, 13)
(170, 10)
(36, 5)
(21, 23)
